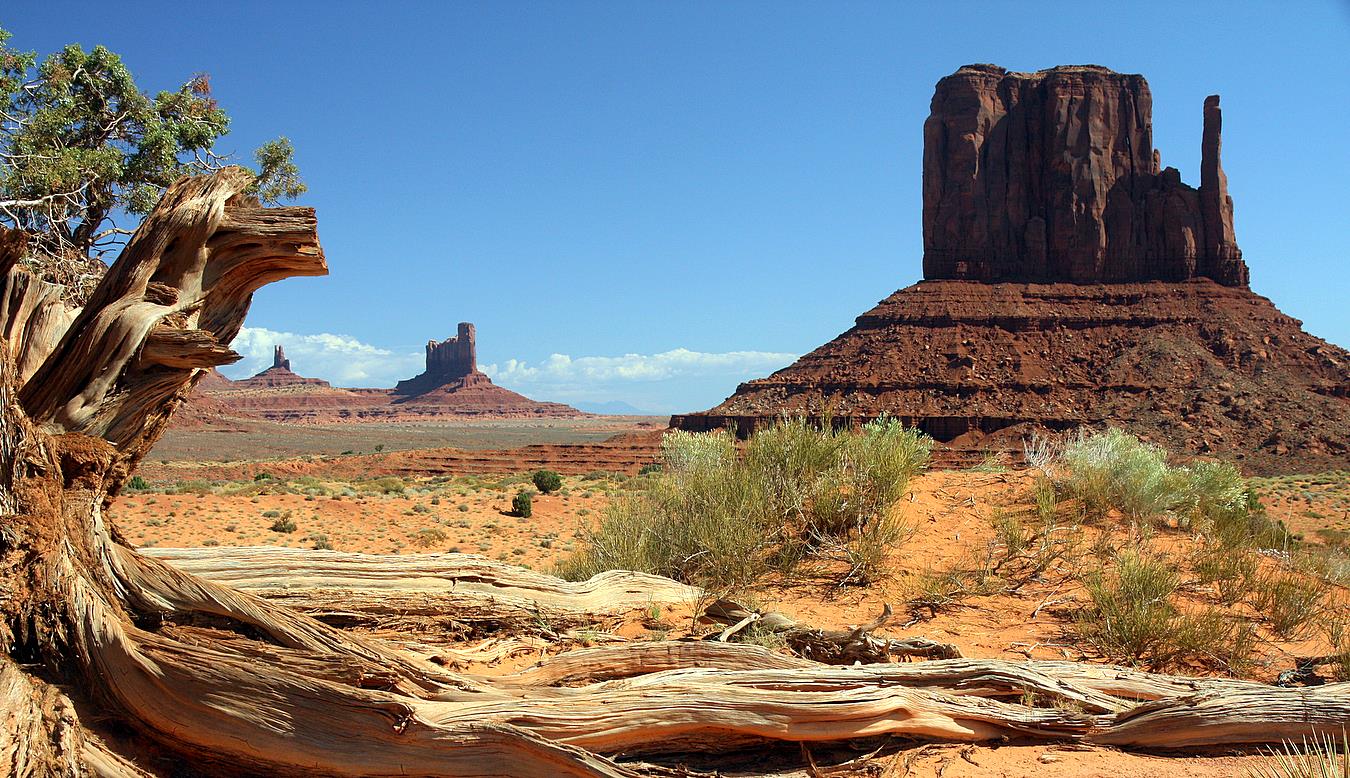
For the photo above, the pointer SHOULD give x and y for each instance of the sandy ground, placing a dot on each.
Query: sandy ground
(949, 510)
(255, 439)
(469, 515)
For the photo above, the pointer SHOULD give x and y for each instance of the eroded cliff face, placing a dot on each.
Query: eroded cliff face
(453, 360)
(1052, 176)
(1070, 281)
(278, 376)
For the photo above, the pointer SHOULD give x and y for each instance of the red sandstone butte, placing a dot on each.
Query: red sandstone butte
(278, 376)
(1068, 281)
(451, 387)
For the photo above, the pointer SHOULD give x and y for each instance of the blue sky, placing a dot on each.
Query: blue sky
(651, 202)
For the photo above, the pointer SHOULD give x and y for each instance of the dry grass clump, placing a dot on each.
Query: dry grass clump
(720, 517)
(1114, 470)
(1134, 614)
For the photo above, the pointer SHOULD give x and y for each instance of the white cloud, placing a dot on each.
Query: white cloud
(339, 359)
(671, 381)
(676, 363)
(675, 380)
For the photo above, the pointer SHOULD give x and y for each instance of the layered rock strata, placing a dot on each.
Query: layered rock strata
(278, 376)
(448, 361)
(1069, 281)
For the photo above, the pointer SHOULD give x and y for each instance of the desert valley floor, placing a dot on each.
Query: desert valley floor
(415, 495)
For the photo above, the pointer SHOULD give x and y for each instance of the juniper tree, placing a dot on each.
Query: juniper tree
(84, 152)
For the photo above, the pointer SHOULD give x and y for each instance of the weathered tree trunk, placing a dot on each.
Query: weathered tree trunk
(236, 683)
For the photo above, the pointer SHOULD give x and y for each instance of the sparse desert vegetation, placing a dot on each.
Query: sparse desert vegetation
(1102, 550)
(722, 518)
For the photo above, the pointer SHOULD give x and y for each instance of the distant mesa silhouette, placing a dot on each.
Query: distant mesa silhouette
(450, 386)
(453, 361)
(278, 376)
(1071, 280)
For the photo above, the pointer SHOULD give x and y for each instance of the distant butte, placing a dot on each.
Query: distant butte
(1071, 280)
(450, 386)
(453, 361)
(278, 376)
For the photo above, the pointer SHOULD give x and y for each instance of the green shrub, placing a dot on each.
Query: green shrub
(137, 484)
(546, 481)
(283, 524)
(1233, 571)
(1289, 601)
(1115, 470)
(1133, 617)
(721, 519)
(1132, 614)
(386, 485)
(522, 505)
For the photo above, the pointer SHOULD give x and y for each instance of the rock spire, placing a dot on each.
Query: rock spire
(1052, 176)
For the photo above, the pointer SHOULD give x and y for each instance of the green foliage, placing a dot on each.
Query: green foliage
(138, 484)
(546, 481)
(1115, 470)
(81, 144)
(522, 505)
(720, 518)
(1133, 616)
(386, 485)
(283, 524)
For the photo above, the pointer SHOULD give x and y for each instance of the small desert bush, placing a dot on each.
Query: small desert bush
(430, 536)
(546, 481)
(1288, 601)
(283, 524)
(1133, 616)
(720, 517)
(137, 484)
(1114, 470)
(387, 485)
(522, 505)
(1337, 631)
(1231, 571)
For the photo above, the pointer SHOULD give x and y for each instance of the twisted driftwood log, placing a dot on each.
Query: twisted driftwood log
(233, 683)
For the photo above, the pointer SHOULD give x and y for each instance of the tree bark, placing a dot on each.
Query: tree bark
(234, 683)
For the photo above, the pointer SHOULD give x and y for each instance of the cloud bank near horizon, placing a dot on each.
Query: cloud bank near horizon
(670, 381)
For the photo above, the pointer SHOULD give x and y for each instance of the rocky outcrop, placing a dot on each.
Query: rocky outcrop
(1071, 282)
(1052, 176)
(278, 376)
(450, 360)
(451, 387)
(1195, 365)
